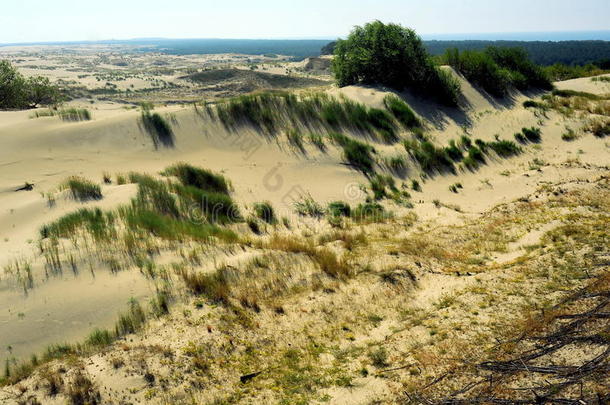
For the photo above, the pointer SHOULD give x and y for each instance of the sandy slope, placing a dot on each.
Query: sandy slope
(45, 151)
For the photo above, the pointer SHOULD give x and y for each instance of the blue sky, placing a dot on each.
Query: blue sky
(61, 20)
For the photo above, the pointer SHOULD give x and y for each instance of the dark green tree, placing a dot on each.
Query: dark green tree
(17, 92)
(391, 55)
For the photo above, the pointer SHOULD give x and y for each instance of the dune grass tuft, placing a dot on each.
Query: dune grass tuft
(198, 177)
(82, 189)
(159, 129)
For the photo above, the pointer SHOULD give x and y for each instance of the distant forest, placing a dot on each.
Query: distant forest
(543, 53)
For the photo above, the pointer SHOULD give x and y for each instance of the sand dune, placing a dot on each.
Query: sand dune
(45, 151)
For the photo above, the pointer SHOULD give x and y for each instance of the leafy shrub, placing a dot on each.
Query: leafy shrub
(497, 69)
(394, 56)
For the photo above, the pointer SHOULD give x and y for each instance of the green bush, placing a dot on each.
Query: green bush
(17, 92)
(394, 56)
(497, 69)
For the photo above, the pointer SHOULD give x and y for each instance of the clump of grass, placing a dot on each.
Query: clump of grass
(599, 128)
(295, 138)
(198, 177)
(504, 148)
(532, 134)
(82, 189)
(401, 111)
(93, 220)
(569, 135)
(383, 123)
(379, 357)
(356, 153)
(264, 211)
(380, 185)
(415, 186)
(158, 128)
(331, 265)
(339, 209)
(75, 114)
(533, 104)
(99, 338)
(474, 158)
(370, 212)
(70, 114)
(307, 206)
(82, 391)
(432, 159)
(318, 141)
(254, 225)
(214, 286)
(131, 321)
(573, 93)
(454, 188)
(271, 112)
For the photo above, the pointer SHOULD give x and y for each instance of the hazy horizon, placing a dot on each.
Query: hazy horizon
(73, 21)
(552, 36)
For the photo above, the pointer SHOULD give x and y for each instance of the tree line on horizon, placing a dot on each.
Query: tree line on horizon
(545, 53)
